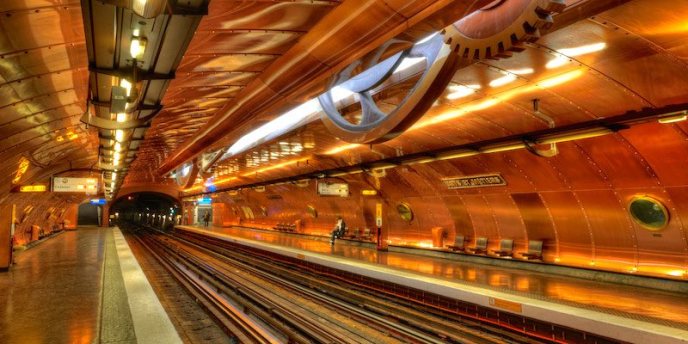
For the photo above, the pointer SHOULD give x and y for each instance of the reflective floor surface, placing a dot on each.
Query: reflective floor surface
(53, 293)
(647, 304)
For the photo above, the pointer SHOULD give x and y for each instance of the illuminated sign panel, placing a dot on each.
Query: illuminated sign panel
(333, 189)
(33, 188)
(204, 201)
(98, 201)
(82, 185)
(478, 181)
(23, 166)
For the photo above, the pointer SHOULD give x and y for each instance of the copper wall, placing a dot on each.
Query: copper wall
(576, 202)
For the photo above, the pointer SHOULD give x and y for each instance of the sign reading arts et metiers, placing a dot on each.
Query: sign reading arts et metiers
(477, 181)
(66, 184)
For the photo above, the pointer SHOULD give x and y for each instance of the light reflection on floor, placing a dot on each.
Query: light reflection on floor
(53, 293)
(655, 305)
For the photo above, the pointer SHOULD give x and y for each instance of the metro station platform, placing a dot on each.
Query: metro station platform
(624, 312)
(82, 286)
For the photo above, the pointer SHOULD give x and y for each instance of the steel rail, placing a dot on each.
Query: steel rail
(231, 319)
(369, 307)
(276, 315)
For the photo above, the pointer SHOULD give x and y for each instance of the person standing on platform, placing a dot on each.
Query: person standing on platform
(206, 218)
(338, 230)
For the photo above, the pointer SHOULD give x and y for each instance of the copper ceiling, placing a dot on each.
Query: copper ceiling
(43, 83)
(602, 60)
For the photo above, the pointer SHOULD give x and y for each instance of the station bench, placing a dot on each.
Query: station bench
(459, 244)
(506, 248)
(480, 246)
(356, 234)
(534, 250)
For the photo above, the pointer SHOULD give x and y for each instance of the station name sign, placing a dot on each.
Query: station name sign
(333, 189)
(477, 181)
(83, 185)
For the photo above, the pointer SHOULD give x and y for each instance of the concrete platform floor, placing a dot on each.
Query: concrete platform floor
(71, 289)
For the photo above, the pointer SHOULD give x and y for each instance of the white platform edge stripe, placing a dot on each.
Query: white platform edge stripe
(604, 324)
(151, 323)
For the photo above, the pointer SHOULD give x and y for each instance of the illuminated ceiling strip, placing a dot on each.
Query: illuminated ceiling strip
(423, 158)
(579, 131)
(304, 113)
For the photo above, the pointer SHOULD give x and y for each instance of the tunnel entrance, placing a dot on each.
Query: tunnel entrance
(89, 215)
(146, 208)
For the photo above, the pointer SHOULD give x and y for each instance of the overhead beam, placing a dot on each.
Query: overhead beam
(109, 124)
(128, 72)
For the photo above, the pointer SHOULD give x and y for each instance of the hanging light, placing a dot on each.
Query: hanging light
(138, 47)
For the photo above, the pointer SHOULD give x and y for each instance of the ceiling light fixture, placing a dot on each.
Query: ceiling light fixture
(461, 91)
(126, 84)
(673, 117)
(138, 47)
(562, 56)
(506, 79)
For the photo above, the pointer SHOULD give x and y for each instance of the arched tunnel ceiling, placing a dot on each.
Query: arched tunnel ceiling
(602, 60)
(43, 82)
(45, 71)
(234, 43)
(629, 58)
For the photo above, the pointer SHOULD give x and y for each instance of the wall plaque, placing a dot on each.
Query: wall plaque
(333, 189)
(478, 181)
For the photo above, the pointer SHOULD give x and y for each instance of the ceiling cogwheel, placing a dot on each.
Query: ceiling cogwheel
(187, 180)
(502, 28)
(495, 31)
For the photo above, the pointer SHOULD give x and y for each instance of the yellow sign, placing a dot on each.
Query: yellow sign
(369, 192)
(23, 166)
(476, 181)
(508, 305)
(378, 214)
(33, 188)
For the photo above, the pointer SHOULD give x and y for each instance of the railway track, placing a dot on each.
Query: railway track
(262, 300)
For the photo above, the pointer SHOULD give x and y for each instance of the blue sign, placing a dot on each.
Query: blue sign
(98, 201)
(204, 201)
(210, 185)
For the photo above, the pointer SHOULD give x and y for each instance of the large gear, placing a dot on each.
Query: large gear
(186, 181)
(495, 31)
(501, 28)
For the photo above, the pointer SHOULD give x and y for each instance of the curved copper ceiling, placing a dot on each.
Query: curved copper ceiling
(43, 82)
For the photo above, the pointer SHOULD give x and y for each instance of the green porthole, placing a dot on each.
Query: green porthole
(405, 212)
(649, 213)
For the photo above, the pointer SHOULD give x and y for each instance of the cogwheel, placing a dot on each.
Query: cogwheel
(501, 28)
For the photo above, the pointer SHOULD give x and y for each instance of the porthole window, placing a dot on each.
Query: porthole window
(405, 212)
(312, 211)
(648, 212)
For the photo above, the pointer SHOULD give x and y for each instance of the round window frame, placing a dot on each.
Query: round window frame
(655, 201)
(410, 211)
